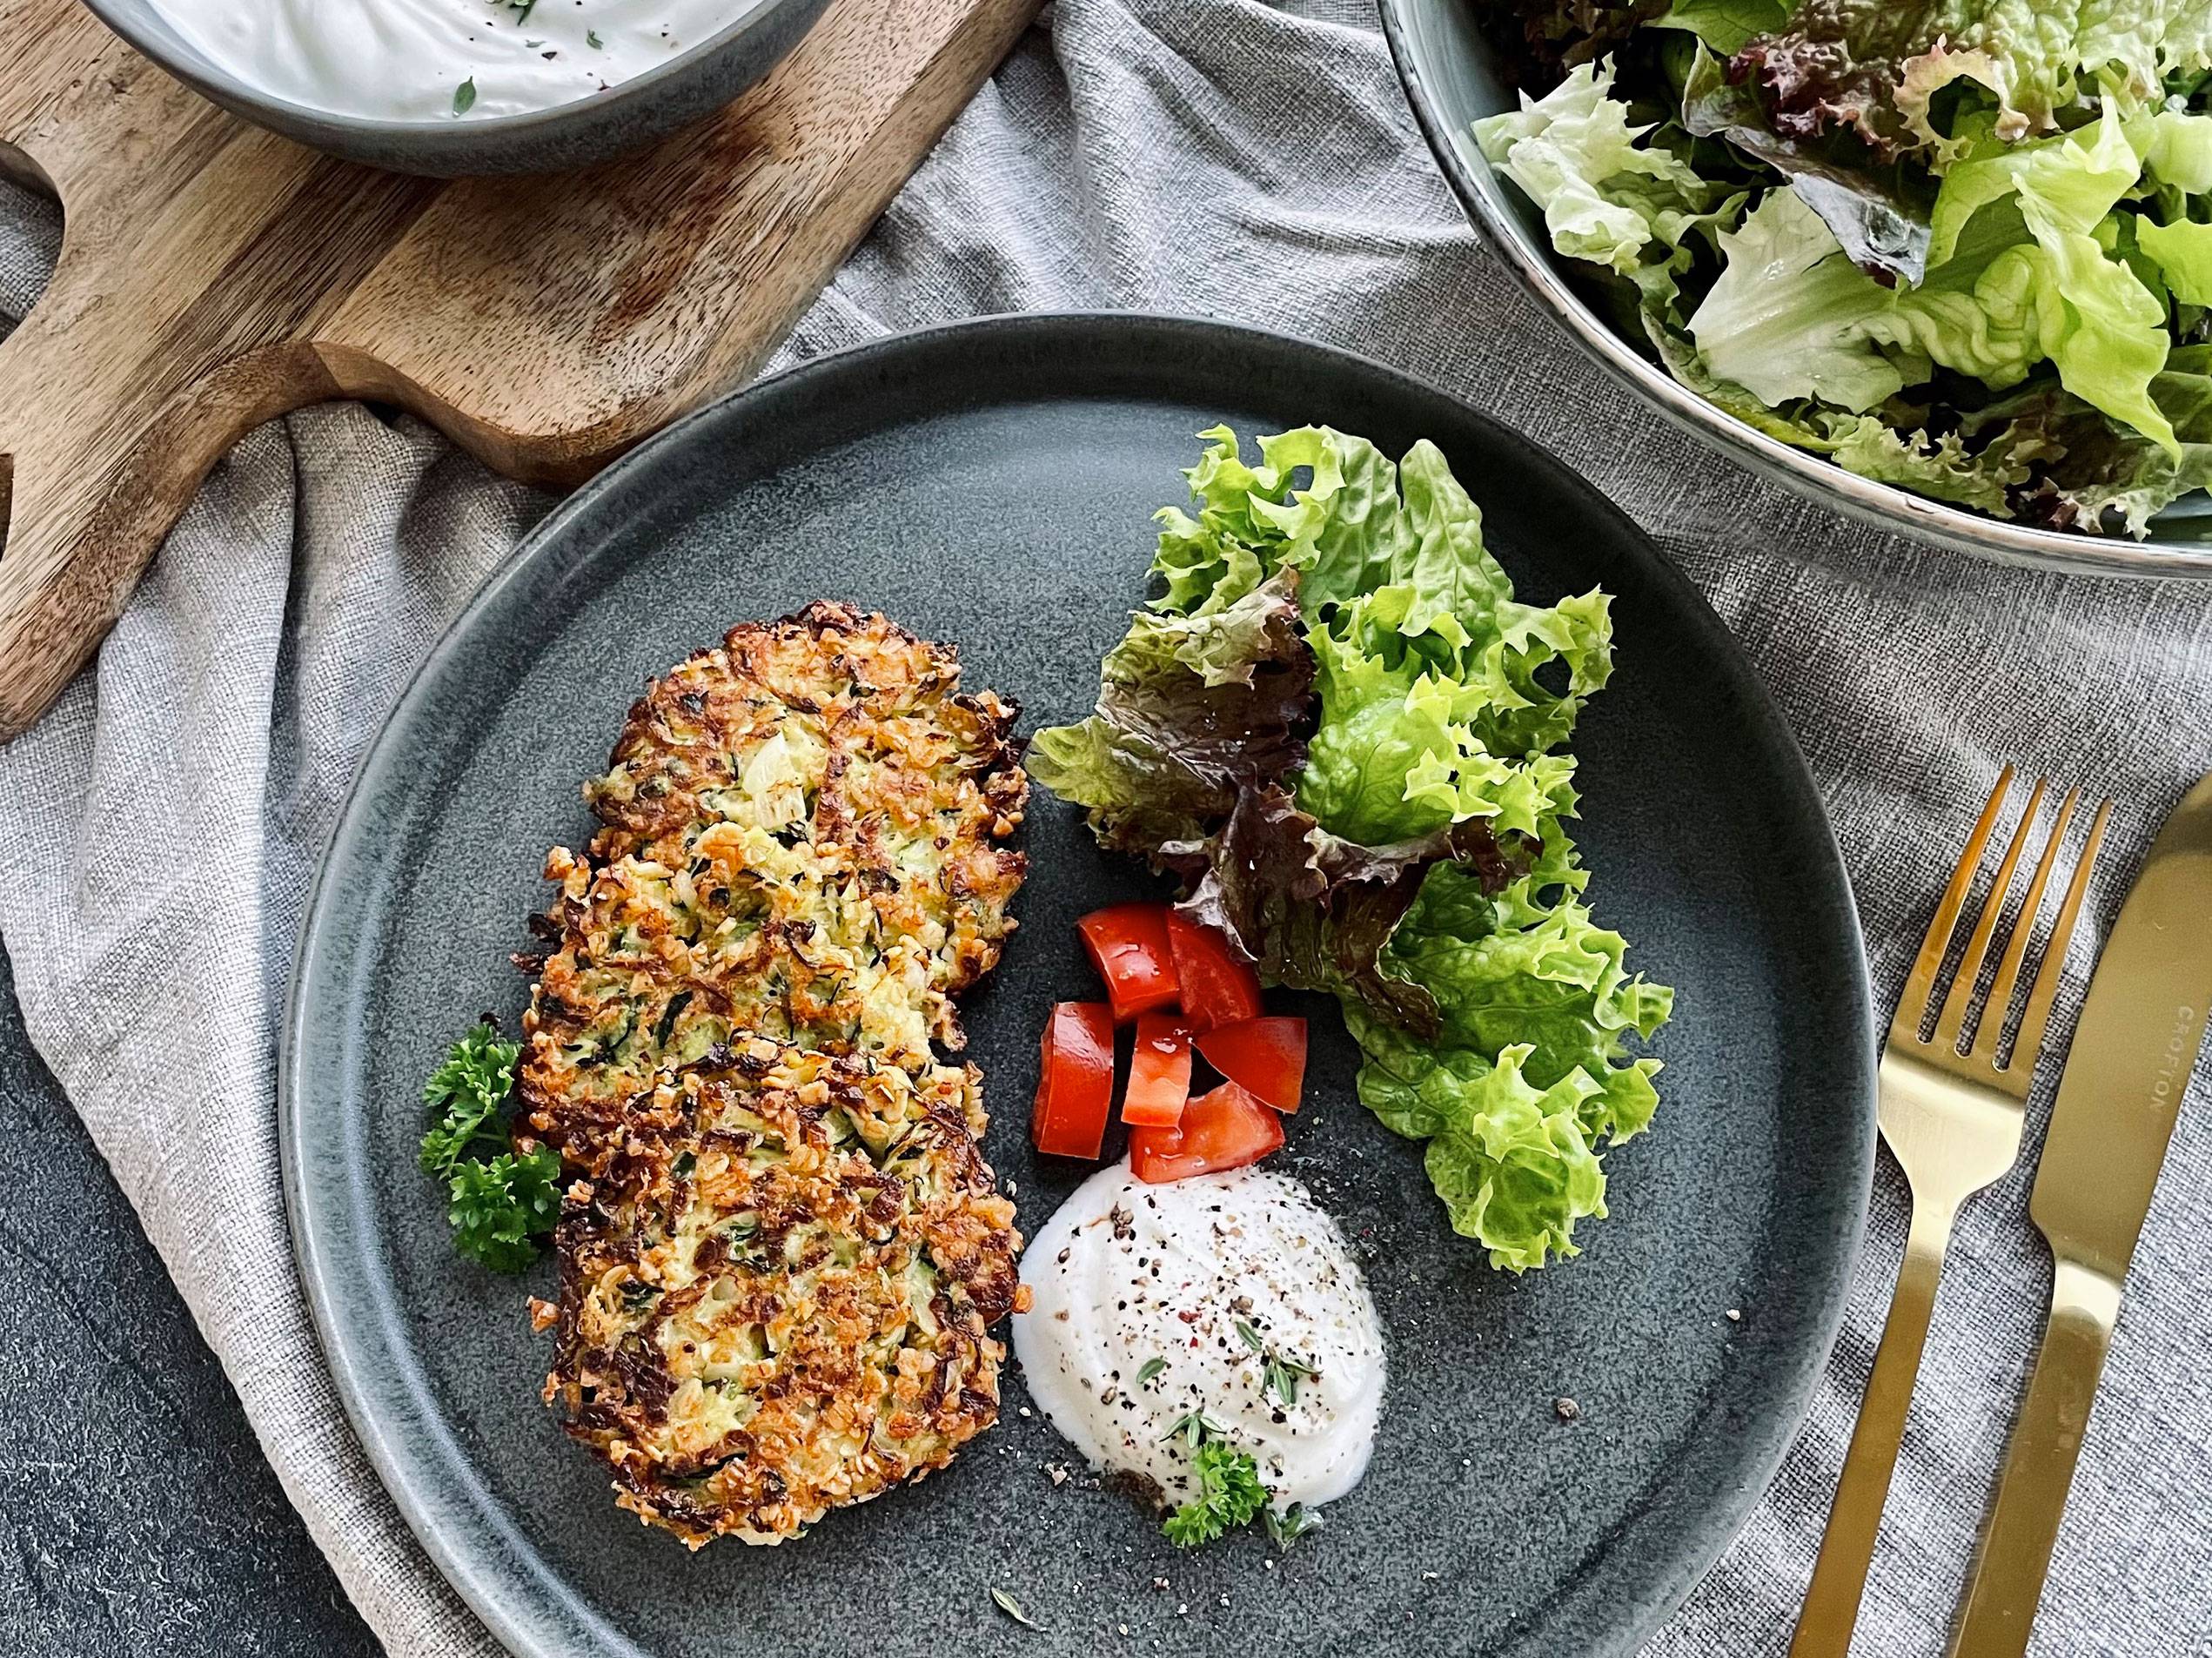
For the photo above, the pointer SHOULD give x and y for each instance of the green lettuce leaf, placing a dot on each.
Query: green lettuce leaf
(1608, 194)
(2178, 151)
(1512, 1162)
(2092, 316)
(1343, 732)
(1727, 26)
(1792, 317)
(2183, 253)
(1192, 710)
(1942, 467)
(1558, 983)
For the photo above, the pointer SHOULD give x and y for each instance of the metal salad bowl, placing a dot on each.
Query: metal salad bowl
(626, 116)
(1454, 78)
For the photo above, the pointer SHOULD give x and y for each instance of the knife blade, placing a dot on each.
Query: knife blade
(2133, 1050)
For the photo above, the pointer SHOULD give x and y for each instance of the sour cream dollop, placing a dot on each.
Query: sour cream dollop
(410, 59)
(1193, 1274)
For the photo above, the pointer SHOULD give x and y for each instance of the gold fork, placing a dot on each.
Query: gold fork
(1953, 1122)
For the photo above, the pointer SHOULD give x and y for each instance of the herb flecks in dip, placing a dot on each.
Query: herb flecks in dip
(1230, 1295)
(423, 60)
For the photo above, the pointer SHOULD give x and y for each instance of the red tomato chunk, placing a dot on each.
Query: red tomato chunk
(1219, 986)
(1128, 943)
(1225, 1128)
(1159, 1072)
(1074, 1081)
(1266, 1057)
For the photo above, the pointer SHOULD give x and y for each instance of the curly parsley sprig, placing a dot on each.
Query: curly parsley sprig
(1229, 1491)
(503, 1200)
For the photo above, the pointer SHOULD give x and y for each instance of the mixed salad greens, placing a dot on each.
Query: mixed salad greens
(1343, 732)
(1963, 246)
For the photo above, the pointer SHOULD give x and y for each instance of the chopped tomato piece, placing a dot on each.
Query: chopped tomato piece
(1129, 944)
(1266, 1057)
(1219, 986)
(1225, 1128)
(1074, 1081)
(1159, 1072)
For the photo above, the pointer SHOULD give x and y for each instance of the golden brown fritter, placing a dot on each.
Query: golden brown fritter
(782, 1249)
(804, 839)
(778, 1297)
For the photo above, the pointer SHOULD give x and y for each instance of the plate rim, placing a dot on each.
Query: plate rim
(467, 1569)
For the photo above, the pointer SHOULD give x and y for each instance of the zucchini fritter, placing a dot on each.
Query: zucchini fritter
(777, 1299)
(782, 1249)
(803, 838)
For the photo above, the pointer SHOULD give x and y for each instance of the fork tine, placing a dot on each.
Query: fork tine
(2029, 1041)
(1960, 1002)
(1991, 1029)
(1919, 985)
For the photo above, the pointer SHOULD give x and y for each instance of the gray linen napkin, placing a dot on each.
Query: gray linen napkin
(1225, 157)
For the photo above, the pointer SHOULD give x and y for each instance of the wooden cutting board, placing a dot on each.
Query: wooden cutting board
(213, 275)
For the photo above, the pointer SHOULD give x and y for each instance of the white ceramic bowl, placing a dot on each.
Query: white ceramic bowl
(626, 117)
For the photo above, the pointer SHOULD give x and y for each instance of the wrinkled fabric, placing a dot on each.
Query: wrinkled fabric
(1225, 159)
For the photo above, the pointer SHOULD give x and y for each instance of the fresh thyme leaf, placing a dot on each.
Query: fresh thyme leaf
(1194, 1428)
(464, 97)
(592, 39)
(1230, 1495)
(1294, 1522)
(501, 1200)
(1012, 1608)
(1279, 1372)
(1283, 1374)
(1151, 1368)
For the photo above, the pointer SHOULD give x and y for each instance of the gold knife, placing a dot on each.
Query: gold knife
(2133, 1052)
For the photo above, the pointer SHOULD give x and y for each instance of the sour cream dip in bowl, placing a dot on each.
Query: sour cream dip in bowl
(455, 87)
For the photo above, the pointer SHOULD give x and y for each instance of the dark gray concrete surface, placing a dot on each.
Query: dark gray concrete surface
(142, 1518)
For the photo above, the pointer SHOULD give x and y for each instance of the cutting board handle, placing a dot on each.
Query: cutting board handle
(166, 331)
(213, 276)
(90, 497)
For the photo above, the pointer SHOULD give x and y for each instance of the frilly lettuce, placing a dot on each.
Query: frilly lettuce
(1791, 315)
(1513, 1163)
(1875, 67)
(1604, 196)
(1193, 709)
(1608, 197)
(1392, 827)
(1985, 297)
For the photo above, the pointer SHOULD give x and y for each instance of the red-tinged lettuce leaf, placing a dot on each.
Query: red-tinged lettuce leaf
(1191, 712)
(2090, 473)
(1315, 910)
(1878, 211)
(1871, 69)
(1551, 37)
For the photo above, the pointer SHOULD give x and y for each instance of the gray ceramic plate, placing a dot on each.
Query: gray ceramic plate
(992, 484)
(1453, 77)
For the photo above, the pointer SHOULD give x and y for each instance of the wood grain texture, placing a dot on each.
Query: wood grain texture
(212, 276)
